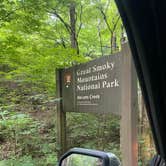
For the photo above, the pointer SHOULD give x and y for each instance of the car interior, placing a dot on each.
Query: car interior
(145, 28)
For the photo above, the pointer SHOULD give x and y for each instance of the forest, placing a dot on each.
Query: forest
(36, 38)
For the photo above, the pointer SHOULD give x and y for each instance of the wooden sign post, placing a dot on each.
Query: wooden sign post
(105, 85)
(61, 117)
(128, 129)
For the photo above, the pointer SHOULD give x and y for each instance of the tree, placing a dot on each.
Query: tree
(111, 17)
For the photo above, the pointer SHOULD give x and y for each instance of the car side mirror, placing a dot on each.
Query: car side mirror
(88, 157)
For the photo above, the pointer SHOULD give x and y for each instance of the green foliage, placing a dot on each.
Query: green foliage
(23, 161)
(24, 133)
(32, 53)
(100, 132)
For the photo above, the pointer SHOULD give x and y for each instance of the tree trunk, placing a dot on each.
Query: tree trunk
(73, 36)
(101, 44)
(113, 43)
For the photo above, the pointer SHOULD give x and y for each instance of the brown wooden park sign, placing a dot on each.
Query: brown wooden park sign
(93, 86)
(104, 85)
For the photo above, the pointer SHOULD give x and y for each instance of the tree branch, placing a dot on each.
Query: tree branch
(105, 19)
(107, 6)
(80, 17)
(63, 42)
(116, 23)
(100, 39)
(67, 26)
